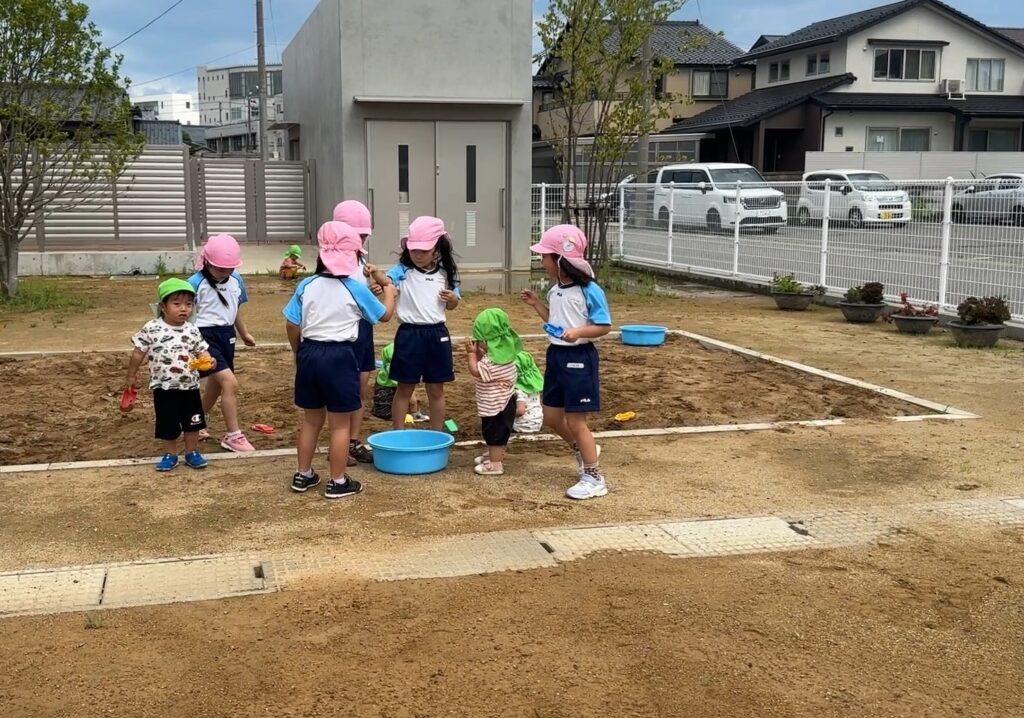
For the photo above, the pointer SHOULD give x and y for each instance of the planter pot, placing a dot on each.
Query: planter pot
(914, 325)
(792, 301)
(861, 313)
(975, 335)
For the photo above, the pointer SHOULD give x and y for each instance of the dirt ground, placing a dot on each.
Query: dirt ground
(929, 626)
(679, 384)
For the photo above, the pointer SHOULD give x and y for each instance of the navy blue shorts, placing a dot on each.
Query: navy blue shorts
(327, 376)
(423, 352)
(364, 347)
(571, 379)
(222, 347)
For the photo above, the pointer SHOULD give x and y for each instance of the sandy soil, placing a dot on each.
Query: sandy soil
(927, 627)
(679, 384)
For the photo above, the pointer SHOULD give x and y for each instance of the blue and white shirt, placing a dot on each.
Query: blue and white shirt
(359, 275)
(328, 309)
(211, 311)
(419, 300)
(570, 305)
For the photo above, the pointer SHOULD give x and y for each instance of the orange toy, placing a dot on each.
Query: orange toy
(202, 363)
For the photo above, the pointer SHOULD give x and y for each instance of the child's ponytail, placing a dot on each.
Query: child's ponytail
(447, 254)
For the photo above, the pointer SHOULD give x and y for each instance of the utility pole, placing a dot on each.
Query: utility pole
(261, 62)
(643, 144)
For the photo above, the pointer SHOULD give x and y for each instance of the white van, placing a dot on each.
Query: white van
(705, 195)
(858, 197)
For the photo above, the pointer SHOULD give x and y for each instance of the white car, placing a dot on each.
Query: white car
(996, 198)
(705, 194)
(858, 197)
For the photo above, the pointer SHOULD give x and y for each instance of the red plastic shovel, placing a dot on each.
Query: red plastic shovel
(128, 397)
(263, 428)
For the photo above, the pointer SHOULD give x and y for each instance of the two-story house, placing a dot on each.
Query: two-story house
(916, 75)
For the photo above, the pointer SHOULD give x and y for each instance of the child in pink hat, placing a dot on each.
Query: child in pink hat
(323, 319)
(427, 280)
(575, 316)
(220, 294)
(357, 216)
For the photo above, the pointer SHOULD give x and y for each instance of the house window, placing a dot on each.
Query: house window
(710, 83)
(905, 64)
(403, 173)
(470, 174)
(818, 63)
(839, 132)
(996, 139)
(778, 71)
(985, 75)
(188, 105)
(898, 139)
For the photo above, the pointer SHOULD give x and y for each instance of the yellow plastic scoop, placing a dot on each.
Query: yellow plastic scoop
(625, 416)
(202, 363)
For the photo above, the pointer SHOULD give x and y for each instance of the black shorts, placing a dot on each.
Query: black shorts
(363, 348)
(177, 411)
(327, 375)
(222, 348)
(423, 352)
(571, 378)
(498, 428)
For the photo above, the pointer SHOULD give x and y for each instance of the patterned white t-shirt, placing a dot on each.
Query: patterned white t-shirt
(169, 349)
(533, 419)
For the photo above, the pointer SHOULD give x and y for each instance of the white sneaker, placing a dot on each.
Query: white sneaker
(481, 459)
(488, 469)
(579, 460)
(420, 418)
(587, 488)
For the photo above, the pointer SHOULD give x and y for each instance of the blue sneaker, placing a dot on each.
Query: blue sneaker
(195, 460)
(167, 462)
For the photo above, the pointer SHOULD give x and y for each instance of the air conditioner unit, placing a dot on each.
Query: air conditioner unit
(953, 89)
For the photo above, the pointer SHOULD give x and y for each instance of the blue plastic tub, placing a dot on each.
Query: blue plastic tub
(410, 451)
(643, 335)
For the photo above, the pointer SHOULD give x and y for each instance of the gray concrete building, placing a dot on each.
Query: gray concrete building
(228, 100)
(421, 107)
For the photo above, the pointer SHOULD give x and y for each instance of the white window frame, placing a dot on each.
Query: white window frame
(903, 69)
(972, 79)
(822, 63)
(778, 67)
(899, 137)
(710, 84)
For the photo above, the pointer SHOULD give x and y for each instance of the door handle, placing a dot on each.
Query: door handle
(501, 208)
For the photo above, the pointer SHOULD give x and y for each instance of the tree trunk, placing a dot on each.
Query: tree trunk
(9, 267)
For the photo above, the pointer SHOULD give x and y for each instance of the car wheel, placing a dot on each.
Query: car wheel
(663, 218)
(714, 221)
(1018, 215)
(803, 217)
(856, 219)
(959, 216)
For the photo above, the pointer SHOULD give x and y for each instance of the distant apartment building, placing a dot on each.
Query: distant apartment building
(177, 106)
(228, 102)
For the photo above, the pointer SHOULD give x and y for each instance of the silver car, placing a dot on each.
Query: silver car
(996, 198)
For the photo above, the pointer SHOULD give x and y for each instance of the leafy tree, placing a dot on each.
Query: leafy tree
(592, 51)
(65, 119)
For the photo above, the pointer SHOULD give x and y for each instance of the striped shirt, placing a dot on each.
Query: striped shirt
(496, 385)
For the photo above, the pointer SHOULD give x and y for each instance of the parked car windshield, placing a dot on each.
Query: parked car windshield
(872, 182)
(727, 178)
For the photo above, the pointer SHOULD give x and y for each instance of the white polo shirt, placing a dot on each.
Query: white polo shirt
(575, 306)
(419, 300)
(211, 311)
(328, 309)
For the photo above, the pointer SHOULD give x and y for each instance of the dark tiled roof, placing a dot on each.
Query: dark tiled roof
(990, 105)
(838, 27)
(758, 104)
(764, 40)
(543, 83)
(687, 42)
(1014, 33)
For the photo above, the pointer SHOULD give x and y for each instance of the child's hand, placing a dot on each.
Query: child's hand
(249, 339)
(470, 347)
(133, 380)
(446, 295)
(528, 296)
(570, 335)
(376, 289)
(369, 269)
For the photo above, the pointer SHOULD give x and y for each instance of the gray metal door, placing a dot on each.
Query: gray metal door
(402, 173)
(471, 189)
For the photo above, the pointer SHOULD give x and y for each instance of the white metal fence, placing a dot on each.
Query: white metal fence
(939, 241)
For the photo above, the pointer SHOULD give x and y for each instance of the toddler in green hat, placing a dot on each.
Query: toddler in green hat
(174, 346)
(529, 385)
(291, 265)
(491, 355)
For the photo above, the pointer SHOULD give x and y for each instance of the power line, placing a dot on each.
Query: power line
(192, 67)
(179, 2)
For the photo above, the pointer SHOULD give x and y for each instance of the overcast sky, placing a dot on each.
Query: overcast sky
(222, 32)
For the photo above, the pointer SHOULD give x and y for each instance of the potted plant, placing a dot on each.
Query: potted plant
(913, 320)
(791, 295)
(862, 304)
(981, 321)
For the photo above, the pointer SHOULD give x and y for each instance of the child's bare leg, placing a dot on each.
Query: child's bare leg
(170, 446)
(554, 419)
(356, 426)
(400, 404)
(228, 386)
(438, 410)
(309, 432)
(338, 424)
(211, 392)
(584, 438)
(191, 441)
(495, 454)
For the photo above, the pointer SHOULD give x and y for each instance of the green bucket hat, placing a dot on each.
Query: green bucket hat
(530, 380)
(294, 251)
(384, 373)
(172, 285)
(492, 326)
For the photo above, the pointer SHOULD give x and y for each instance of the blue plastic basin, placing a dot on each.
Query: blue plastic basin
(643, 335)
(410, 451)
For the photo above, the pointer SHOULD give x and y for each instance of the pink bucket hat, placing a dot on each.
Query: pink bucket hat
(339, 245)
(220, 250)
(568, 242)
(356, 215)
(424, 233)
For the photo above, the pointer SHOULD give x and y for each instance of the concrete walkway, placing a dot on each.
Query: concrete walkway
(172, 580)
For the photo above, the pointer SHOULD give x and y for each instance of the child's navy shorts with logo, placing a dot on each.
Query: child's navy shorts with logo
(222, 348)
(364, 347)
(177, 411)
(571, 378)
(327, 375)
(423, 352)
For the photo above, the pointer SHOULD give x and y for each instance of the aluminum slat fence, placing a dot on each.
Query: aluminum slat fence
(940, 241)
